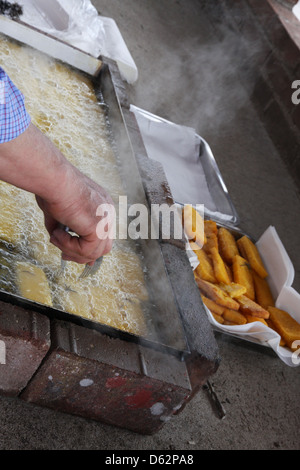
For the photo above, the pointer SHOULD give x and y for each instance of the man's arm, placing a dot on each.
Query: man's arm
(66, 196)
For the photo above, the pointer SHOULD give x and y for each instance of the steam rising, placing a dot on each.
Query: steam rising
(197, 72)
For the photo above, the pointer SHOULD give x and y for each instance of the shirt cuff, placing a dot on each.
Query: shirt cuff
(14, 118)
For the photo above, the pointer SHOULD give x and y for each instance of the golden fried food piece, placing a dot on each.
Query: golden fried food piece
(242, 275)
(210, 226)
(205, 268)
(219, 267)
(252, 319)
(193, 225)
(212, 242)
(286, 326)
(234, 317)
(271, 325)
(10, 214)
(215, 293)
(217, 317)
(211, 234)
(250, 252)
(229, 271)
(227, 245)
(249, 307)
(233, 289)
(263, 292)
(32, 283)
(213, 306)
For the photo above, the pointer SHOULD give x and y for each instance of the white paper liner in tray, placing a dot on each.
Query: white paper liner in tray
(197, 181)
(281, 276)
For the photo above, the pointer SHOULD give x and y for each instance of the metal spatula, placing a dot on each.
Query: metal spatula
(88, 270)
(63, 263)
(91, 270)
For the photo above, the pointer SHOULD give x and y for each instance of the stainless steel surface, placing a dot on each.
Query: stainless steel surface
(226, 212)
(166, 331)
(63, 263)
(91, 270)
(189, 164)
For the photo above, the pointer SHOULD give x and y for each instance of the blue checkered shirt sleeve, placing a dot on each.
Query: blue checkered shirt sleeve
(14, 118)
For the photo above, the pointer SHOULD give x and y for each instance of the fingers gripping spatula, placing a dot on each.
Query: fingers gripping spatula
(88, 270)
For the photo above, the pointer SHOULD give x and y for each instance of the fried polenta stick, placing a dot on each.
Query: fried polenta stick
(217, 317)
(211, 234)
(213, 306)
(252, 319)
(213, 292)
(233, 289)
(193, 225)
(219, 266)
(234, 317)
(229, 272)
(242, 275)
(32, 283)
(271, 325)
(227, 245)
(263, 293)
(205, 268)
(286, 326)
(250, 252)
(249, 307)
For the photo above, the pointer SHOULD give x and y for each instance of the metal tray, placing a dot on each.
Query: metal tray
(226, 212)
(192, 180)
(164, 310)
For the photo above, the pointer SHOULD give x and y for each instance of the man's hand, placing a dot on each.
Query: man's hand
(64, 194)
(78, 212)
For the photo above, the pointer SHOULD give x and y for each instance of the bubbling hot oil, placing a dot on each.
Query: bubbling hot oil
(62, 104)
